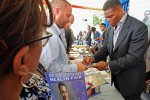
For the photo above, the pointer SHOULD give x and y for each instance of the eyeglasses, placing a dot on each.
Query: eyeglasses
(44, 39)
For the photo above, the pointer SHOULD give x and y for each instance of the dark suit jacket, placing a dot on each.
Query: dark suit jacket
(104, 35)
(69, 39)
(88, 38)
(127, 63)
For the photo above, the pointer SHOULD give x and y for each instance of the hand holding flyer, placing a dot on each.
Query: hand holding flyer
(88, 60)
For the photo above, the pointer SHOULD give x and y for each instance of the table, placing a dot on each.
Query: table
(108, 92)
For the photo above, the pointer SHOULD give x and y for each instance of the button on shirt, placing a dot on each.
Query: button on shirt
(54, 56)
(117, 29)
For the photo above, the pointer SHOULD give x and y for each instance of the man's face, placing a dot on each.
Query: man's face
(71, 20)
(64, 93)
(63, 16)
(102, 28)
(93, 32)
(113, 16)
(147, 14)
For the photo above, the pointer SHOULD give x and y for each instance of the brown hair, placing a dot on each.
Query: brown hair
(20, 22)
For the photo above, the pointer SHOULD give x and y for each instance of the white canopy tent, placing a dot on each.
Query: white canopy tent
(84, 17)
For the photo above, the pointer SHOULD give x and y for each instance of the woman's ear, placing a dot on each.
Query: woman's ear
(20, 67)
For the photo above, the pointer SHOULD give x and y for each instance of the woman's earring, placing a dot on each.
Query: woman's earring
(30, 85)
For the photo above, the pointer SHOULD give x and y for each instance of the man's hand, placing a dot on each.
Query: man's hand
(88, 60)
(97, 38)
(71, 57)
(101, 65)
(81, 67)
(89, 88)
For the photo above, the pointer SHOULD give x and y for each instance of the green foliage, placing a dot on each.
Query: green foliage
(96, 20)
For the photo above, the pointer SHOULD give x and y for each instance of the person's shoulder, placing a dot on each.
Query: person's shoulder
(68, 31)
(97, 32)
(88, 33)
(109, 29)
(136, 22)
(51, 29)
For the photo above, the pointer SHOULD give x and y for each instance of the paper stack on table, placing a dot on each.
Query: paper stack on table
(101, 76)
(97, 78)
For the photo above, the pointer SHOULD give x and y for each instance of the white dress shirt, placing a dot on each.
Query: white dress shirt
(54, 56)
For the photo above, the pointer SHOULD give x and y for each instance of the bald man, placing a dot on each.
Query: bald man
(54, 56)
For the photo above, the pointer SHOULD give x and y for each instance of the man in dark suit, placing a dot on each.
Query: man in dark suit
(125, 44)
(146, 20)
(88, 35)
(69, 39)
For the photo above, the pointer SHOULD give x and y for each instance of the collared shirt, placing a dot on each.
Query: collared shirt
(97, 35)
(54, 56)
(118, 28)
(92, 36)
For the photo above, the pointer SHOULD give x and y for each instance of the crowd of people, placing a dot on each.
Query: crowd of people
(92, 36)
(27, 39)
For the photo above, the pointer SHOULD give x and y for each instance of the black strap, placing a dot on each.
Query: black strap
(63, 43)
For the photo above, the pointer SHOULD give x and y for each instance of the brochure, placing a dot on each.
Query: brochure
(67, 86)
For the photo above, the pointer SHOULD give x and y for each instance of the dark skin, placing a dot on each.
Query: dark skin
(113, 15)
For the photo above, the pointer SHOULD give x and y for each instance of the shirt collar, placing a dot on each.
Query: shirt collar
(58, 30)
(122, 20)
